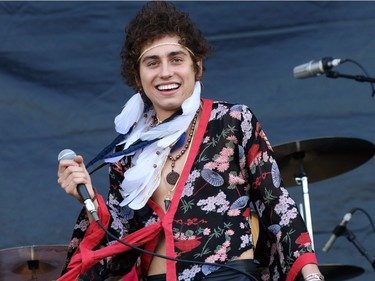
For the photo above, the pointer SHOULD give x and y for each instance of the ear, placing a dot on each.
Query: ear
(199, 69)
(139, 84)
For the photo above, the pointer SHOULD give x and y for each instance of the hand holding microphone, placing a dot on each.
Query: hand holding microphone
(76, 172)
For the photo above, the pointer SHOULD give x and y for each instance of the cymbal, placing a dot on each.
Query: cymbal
(43, 263)
(321, 158)
(336, 272)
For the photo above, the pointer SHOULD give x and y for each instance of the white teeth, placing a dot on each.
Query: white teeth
(167, 87)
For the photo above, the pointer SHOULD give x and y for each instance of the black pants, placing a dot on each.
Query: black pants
(250, 267)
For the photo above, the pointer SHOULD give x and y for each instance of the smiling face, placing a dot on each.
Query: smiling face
(167, 74)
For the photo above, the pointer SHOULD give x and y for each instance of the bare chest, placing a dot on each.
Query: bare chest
(166, 190)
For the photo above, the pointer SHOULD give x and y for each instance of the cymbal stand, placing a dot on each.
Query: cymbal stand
(306, 200)
(33, 265)
(302, 179)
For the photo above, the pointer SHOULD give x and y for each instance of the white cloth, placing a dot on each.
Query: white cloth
(141, 180)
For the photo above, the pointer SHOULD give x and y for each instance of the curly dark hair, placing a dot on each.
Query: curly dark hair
(155, 20)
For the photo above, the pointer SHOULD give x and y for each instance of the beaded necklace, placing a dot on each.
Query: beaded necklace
(173, 176)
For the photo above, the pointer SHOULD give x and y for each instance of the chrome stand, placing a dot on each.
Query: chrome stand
(307, 209)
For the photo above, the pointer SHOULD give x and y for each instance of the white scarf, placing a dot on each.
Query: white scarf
(142, 179)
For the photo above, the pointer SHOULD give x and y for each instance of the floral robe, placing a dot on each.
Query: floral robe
(229, 173)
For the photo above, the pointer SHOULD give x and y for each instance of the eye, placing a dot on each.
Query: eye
(152, 63)
(177, 60)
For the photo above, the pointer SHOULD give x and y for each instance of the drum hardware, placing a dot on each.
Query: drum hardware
(33, 266)
(313, 160)
(338, 272)
(305, 161)
(36, 263)
(331, 272)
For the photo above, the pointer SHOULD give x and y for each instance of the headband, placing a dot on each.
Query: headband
(163, 44)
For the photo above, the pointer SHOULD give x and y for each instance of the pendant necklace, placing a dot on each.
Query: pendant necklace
(173, 176)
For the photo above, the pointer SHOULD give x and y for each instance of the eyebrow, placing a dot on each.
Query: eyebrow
(171, 54)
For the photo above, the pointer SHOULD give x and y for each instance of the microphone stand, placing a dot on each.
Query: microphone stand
(360, 78)
(351, 237)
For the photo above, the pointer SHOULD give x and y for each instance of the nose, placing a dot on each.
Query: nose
(166, 70)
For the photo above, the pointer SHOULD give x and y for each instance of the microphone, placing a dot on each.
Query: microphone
(316, 68)
(339, 229)
(68, 154)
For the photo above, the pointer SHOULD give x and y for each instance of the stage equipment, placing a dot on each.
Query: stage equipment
(338, 272)
(313, 160)
(316, 68)
(324, 66)
(36, 263)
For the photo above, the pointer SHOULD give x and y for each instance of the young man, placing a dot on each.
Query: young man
(183, 176)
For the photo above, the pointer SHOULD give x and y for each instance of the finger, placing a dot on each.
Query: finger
(70, 181)
(80, 161)
(63, 164)
(71, 175)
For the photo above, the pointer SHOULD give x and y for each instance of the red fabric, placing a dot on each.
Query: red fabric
(84, 258)
(307, 258)
(253, 152)
(167, 221)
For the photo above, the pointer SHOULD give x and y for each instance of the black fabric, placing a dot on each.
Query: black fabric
(227, 274)
(159, 277)
(250, 267)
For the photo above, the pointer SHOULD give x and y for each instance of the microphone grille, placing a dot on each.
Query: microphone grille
(66, 154)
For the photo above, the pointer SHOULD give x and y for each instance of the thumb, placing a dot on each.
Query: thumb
(80, 161)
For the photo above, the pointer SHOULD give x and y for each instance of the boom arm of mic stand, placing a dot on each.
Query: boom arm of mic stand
(360, 78)
(351, 237)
